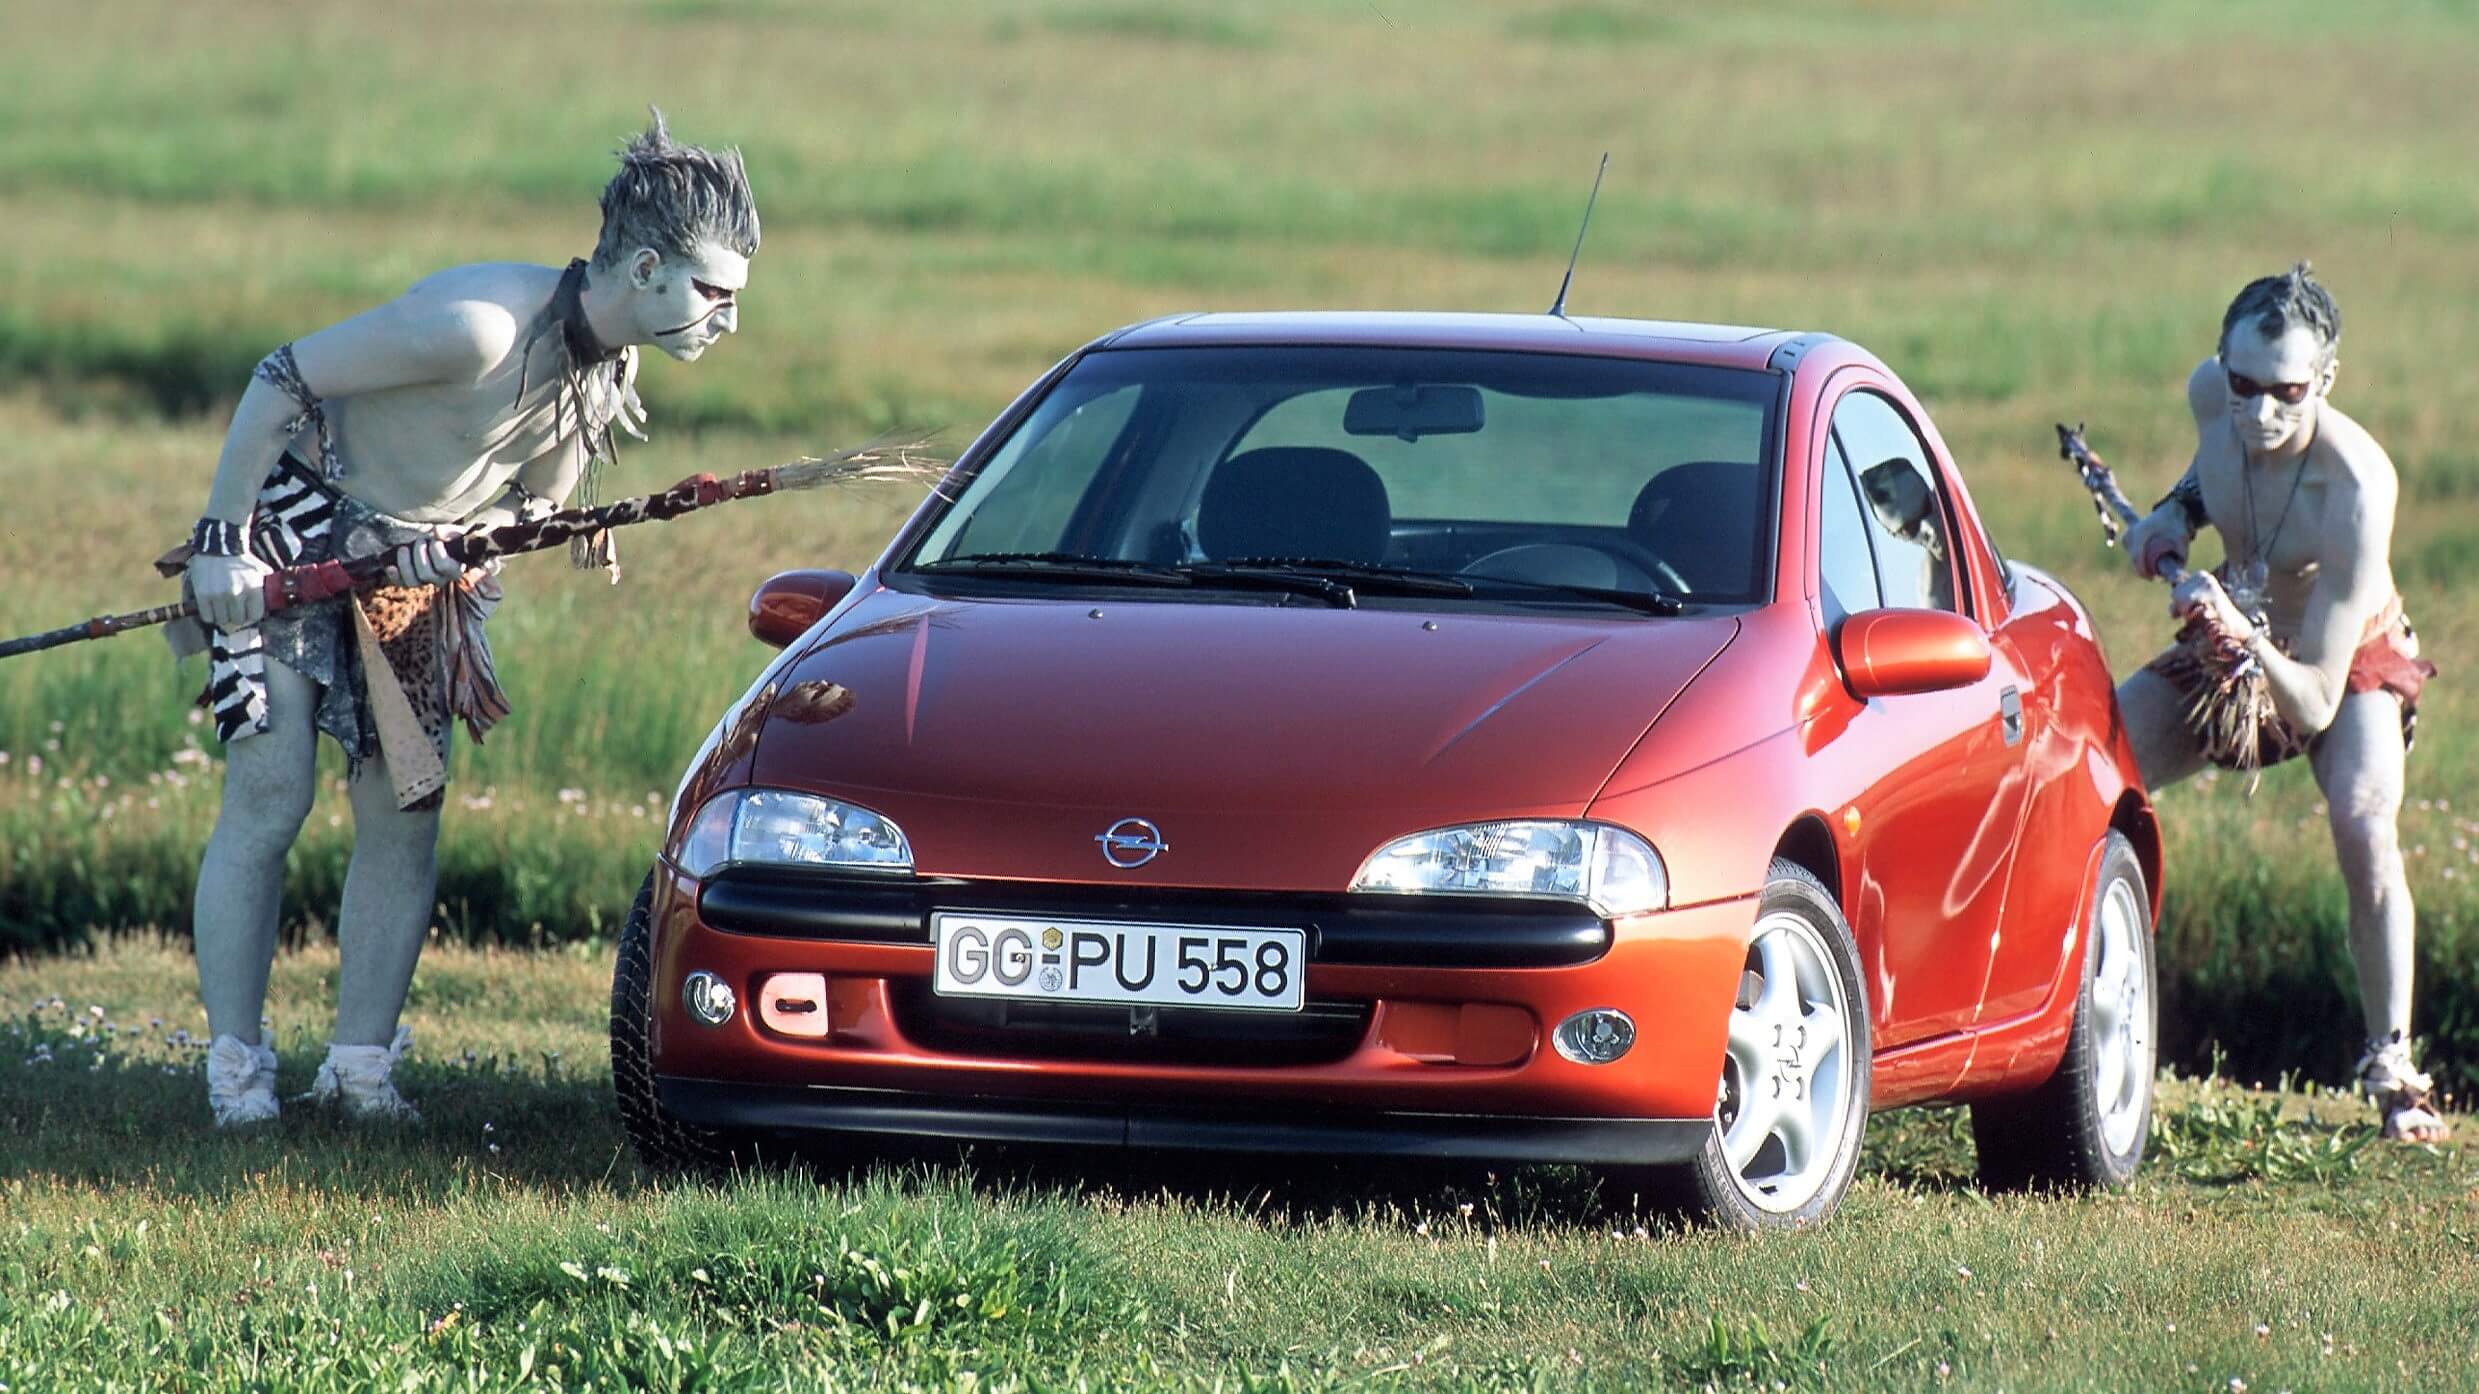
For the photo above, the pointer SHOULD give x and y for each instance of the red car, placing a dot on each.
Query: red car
(1508, 737)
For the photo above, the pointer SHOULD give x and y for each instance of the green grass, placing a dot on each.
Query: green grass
(2029, 219)
(510, 1242)
(2031, 214)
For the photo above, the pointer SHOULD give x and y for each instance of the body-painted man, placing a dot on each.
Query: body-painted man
(2304, 499)
(484, 394)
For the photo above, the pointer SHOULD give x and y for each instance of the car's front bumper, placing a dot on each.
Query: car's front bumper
(718, 1103)
(1423, 1037)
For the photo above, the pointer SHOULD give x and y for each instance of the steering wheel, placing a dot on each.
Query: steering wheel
(1628, 551)
(1571, 563)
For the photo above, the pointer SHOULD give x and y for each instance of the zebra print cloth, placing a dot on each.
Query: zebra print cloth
(295, 518)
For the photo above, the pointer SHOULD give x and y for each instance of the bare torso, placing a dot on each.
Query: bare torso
(438, 452)
(2284, 511)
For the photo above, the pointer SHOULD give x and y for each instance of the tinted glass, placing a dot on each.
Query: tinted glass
(1904, 504)
(1845, 567)
(1639, 475)
(1031, 503)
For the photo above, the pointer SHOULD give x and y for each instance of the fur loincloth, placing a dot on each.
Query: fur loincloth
(2386, 660)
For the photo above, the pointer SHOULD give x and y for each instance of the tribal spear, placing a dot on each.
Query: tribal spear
(304, 585)
(2231, 707)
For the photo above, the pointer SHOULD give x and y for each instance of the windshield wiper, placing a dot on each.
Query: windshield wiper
(1369, 576)
(1075, 567)
(1650, 602)
(1057, 566)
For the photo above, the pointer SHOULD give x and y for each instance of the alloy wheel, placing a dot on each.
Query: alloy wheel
(2121, 1018)
(1787, 1081)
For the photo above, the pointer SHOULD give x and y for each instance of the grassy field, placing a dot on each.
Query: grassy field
(511, 1243)
(2032, 213)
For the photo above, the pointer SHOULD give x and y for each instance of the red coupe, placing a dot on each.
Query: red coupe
(1512, 737)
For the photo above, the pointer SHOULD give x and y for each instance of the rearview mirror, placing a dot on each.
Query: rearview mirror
(1884, 653)
(791, 601)
(1413, 410)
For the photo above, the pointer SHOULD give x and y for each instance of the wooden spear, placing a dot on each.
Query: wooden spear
(305, 585)
(2230, 707)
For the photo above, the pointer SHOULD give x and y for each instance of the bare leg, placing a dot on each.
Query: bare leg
(269, 782)
(386, 912)
(2358, 765)
(2155, 713)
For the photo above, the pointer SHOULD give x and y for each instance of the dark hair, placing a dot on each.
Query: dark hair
(2278, 303)
(672, 197)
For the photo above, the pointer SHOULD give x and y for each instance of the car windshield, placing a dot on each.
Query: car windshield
(1535, 478)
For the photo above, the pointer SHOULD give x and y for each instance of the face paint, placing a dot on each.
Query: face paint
(691, 302)
(2274, 382)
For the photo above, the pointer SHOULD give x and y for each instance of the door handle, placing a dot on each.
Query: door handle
(2010, 714)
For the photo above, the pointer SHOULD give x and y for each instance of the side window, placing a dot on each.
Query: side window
(1914, 555)
(1844, 563)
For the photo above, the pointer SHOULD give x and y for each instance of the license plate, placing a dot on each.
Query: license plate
(1173, 965)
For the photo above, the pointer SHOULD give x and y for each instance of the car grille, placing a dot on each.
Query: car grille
(1425, 931)
(1322, 1031)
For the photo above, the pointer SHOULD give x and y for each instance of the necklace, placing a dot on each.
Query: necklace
(2254, 580)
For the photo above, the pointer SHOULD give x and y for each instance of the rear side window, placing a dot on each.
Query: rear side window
(1904, 504)
(1845, 566)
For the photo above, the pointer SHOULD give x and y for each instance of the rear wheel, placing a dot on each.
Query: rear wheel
(2087, 1124)
(1794, 1088)
(662, 1141)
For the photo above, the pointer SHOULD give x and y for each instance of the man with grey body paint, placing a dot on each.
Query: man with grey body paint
(2304, 499)
(484, 394)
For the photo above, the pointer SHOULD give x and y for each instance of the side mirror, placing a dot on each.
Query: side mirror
(791, 601)
(1887, 652)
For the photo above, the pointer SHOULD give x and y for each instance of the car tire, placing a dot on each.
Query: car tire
(1799, 1033)
(2087, 1124)
(662, 1141)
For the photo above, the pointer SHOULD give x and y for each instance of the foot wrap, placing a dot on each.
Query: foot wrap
(240, 1082)
(2403, 1093)
(358, 1078)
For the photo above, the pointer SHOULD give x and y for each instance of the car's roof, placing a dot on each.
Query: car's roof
(1726, 345)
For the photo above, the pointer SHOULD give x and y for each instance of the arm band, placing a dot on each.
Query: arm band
(2188, 495)
(280, 371)
(213, 537)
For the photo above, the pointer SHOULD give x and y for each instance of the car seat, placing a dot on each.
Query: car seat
(1700, 517)
(1295, 501)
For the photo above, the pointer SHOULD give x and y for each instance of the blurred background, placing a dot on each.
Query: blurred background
(2033, 213)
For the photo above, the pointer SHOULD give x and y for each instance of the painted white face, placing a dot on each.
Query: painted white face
(2274, 382)
(684, 304)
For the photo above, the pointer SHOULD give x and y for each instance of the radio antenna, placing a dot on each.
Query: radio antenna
(1560, 308)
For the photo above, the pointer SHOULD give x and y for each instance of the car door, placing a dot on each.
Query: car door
(1940, 788)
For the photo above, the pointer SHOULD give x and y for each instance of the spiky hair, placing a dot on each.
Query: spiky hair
(2280, 303)
(671, 197)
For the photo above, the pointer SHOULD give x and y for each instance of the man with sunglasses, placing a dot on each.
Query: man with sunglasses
(482, 395)
(2304, 501)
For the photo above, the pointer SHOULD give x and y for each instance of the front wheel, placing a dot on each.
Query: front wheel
(1794, 1087)
(2087, 1124)
(663, 1142)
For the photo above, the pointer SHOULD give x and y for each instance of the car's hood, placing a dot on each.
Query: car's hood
(992, 728)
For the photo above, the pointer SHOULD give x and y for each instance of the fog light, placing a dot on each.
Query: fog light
(708, 999)
(1595, 1037)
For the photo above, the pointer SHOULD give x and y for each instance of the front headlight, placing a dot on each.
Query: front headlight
(1608, 868)
(781, 828)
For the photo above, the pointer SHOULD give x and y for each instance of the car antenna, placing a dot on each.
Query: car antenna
(1559, 309)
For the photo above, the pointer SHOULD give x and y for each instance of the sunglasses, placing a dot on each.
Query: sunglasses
(2286, 393)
